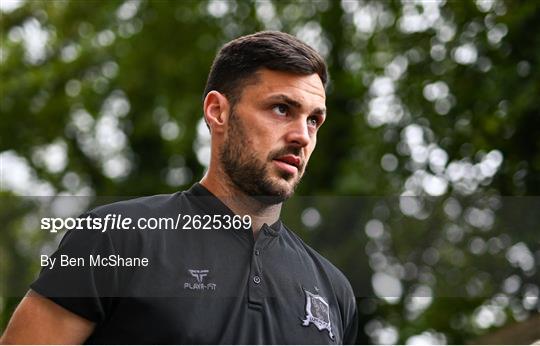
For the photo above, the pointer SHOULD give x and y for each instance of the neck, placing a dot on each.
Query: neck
(242, 204)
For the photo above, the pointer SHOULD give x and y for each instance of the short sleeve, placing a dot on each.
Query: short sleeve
(351, 329)
(73, 282)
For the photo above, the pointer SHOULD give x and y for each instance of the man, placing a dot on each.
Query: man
(252, 282)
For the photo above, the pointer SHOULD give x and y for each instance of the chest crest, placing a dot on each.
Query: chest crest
(318, 313)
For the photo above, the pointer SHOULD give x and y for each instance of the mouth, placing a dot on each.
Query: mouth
(289, 163)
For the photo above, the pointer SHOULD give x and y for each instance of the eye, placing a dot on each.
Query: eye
(281, 109)
(313, 121)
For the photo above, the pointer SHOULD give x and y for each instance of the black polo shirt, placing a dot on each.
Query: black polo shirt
(200, 286)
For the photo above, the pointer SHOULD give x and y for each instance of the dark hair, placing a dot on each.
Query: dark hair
(238, 61)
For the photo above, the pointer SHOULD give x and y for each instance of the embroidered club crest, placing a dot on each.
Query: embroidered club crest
(318, 313)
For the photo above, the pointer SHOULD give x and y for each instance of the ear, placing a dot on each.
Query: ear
(216, 111)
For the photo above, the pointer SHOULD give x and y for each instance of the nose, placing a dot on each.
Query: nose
(298, 133)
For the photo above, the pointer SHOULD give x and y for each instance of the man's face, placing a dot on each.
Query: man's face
(272, 132)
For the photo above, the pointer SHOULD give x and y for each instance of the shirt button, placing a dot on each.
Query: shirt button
(257, 279)
(257, 252)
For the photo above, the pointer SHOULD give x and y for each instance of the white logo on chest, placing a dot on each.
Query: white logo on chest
(318, 313)
(199, 275)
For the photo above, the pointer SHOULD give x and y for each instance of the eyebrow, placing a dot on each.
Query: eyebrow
(293, 103)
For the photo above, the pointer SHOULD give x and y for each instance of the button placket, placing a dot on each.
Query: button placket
(257, 261)
(257, 289)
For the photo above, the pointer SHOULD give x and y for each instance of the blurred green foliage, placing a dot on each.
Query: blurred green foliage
(431, 99)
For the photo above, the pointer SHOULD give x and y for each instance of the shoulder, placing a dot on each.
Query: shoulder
(125, 225)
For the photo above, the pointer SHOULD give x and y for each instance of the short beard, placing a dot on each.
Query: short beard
(247, 172)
